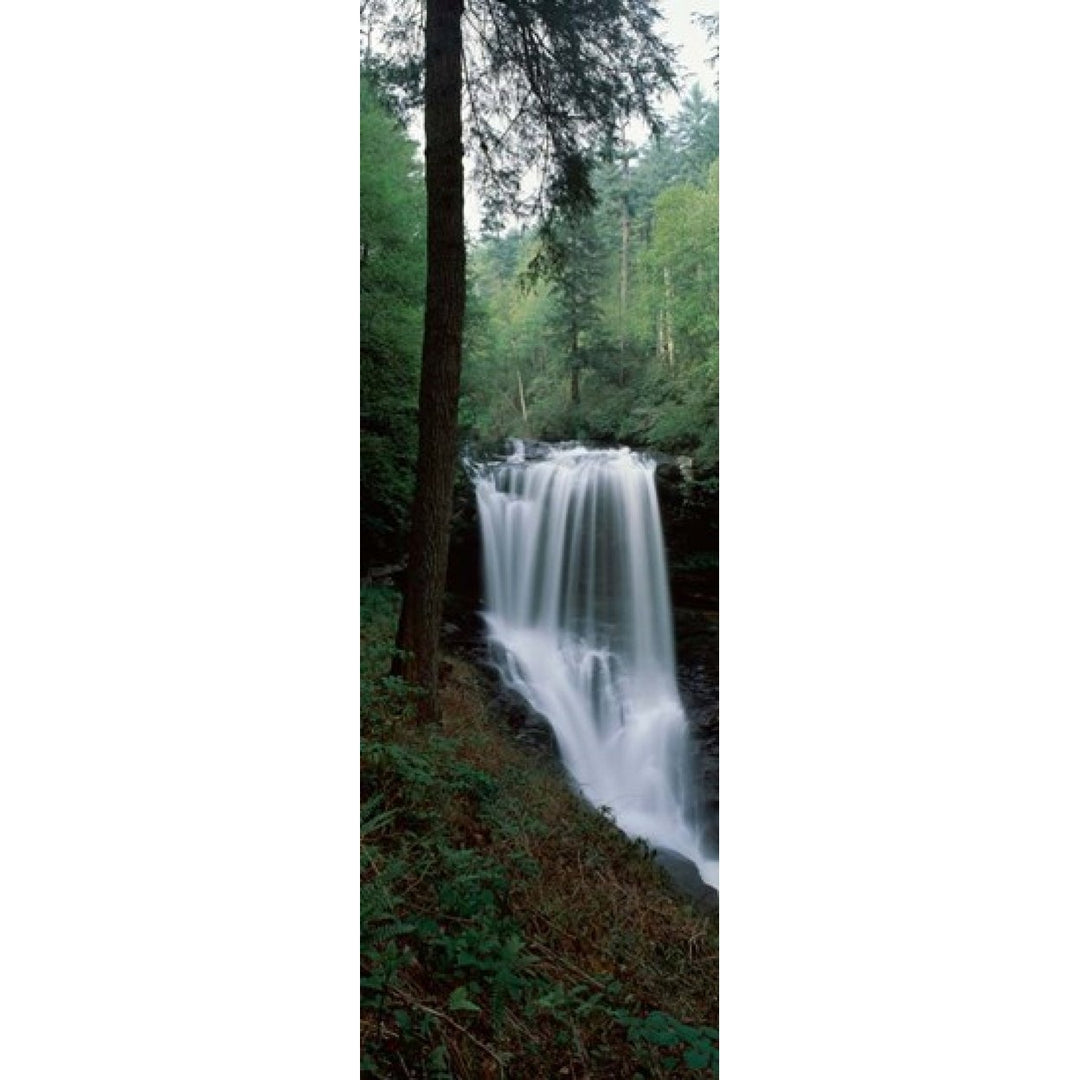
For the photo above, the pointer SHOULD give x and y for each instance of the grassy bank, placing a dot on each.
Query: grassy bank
(508, 930)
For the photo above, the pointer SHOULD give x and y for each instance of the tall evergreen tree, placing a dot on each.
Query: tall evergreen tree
(440, 374)
(572, 260)
(695, 134)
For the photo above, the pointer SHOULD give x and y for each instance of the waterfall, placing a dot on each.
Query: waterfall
(579, 616)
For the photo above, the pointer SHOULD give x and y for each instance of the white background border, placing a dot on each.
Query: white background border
(178, 485)
(900, 598)
(180, 430)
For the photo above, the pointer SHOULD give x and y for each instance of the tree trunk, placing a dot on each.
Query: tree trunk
(669, 338)
(440, 375)
(524, 411)
(575, 385)
(624, 275)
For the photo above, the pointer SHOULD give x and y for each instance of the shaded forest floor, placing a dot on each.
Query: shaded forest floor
(508, 930)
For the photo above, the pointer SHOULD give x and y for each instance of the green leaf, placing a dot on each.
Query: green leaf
(460, 1002)
(659, 1038)
(696, 1058)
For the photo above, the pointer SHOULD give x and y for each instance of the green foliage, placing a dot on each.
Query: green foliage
(698, 1046)
(384, 698)
(391, 321)
(393, 53)
(474, 956)
(627, 297)
(514, 339)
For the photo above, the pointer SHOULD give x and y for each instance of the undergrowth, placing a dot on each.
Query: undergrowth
(506, 929)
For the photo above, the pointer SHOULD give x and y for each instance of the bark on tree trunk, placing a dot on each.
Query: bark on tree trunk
(440, 375)
(575, 385)
(624, 278)
(521, 393)
(669, 338)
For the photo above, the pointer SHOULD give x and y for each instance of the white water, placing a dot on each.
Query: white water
(579, 611)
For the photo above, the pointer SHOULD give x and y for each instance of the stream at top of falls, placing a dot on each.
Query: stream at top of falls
(578, 614)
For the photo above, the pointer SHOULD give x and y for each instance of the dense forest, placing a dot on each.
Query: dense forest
(511, 925)
(391, 321)
(613, 341)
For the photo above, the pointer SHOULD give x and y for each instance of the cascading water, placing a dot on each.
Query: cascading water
(579, 614)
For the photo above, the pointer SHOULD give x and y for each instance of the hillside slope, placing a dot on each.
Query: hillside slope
(507, 929)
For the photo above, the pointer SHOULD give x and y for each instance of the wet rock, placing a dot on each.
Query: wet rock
(669, 473)
(463, 568)
(684, 874)
(697, 677)
(529, 727)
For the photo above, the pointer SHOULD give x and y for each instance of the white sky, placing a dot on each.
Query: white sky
(690, 40)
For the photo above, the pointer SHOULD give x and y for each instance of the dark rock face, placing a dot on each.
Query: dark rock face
(464, 568)
(689, 510)
(697, 676)
(529, 727)
(669, 475)
(684, 874)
